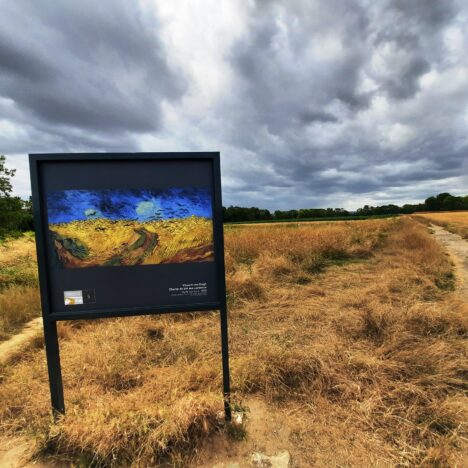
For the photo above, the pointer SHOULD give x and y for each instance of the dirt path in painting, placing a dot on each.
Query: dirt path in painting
(135, 253)
(457, 248)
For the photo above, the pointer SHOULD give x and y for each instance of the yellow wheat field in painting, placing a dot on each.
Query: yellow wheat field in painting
(104, 242)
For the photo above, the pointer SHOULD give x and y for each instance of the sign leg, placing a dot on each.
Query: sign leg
(53, 367)
(225, 358)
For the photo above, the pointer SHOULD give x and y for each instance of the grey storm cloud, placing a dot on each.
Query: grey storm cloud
(303, 69)
(283, 80)
(89, 65)
(311, 102)
(412, 29)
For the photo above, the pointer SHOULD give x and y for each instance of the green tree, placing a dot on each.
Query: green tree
(15, 213)
(5, 175)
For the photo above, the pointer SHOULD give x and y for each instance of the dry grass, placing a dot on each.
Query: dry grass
(373, 348)
(18, 305)
(293, 253)
(19, 297)
(18, 262)
(453, 221)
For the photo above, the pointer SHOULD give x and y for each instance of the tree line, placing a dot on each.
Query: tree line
(16, 214)
(441, 202)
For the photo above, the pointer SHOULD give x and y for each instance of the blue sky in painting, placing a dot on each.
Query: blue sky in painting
(134, 204)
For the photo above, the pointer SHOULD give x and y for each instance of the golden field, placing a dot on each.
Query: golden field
(350, 332)
(99, 242)
(453, 221)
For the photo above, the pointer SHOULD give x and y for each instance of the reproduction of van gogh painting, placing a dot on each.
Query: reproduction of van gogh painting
(91, 228)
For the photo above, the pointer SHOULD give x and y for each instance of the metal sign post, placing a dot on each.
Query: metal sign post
(143, 192)
(225, 357)
(53, 366)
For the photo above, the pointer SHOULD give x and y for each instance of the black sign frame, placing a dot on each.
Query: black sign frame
(51, 318)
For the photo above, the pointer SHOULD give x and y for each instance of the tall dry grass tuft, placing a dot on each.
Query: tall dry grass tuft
(378, 346)
(12, 249)
(299, 243)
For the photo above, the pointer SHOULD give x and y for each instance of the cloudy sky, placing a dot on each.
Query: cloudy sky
(312, 103)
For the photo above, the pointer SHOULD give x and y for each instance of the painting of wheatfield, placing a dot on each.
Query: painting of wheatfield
(95, 228)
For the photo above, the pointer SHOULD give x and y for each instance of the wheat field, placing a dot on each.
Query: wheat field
(351, 331)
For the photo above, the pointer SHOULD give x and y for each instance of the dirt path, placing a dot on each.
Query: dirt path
(457, 248)
(267, 443)
(17, 343)
(17, 452)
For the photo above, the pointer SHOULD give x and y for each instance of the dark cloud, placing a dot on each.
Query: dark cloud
(312, 103)
(427, 13)
(332, 146)
(283, 79)
(410, 34)
(98, 66)
(309, 116)
(405, 85)
(21, 63)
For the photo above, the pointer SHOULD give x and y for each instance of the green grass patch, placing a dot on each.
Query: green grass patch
(22, 274)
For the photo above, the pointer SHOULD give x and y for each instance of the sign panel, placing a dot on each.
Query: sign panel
(127, 234)
(124, 233)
